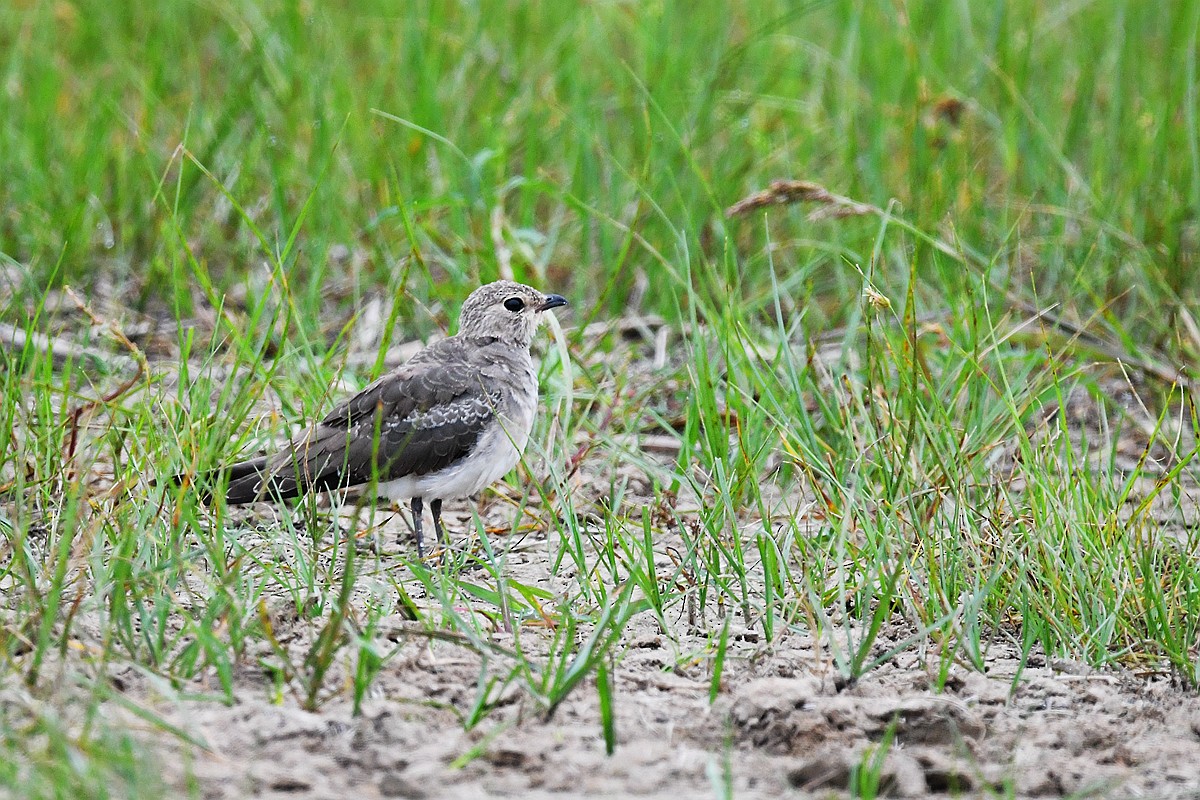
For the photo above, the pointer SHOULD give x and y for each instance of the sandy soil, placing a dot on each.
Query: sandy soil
(783, 725)
(780, 729)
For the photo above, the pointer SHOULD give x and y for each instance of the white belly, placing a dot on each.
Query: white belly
(497, 451)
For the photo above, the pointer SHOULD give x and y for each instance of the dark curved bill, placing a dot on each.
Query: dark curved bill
(552, 301)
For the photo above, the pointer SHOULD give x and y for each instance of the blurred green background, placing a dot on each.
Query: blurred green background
(160, 146)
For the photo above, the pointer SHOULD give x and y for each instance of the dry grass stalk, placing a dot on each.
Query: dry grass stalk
(787, 192)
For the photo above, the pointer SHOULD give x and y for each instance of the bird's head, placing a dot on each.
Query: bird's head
(507, 311)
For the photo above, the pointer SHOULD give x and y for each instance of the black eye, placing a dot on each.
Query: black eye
(514, 304)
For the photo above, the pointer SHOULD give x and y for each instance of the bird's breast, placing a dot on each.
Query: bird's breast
(495, 453)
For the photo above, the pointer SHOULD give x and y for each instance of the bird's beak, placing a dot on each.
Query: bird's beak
(552, 301)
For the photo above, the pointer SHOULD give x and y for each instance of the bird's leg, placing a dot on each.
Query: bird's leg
(439, 531)
(417, 506)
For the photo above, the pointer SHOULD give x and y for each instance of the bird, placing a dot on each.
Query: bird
(449, 422)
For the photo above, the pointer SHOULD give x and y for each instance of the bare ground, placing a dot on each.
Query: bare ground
(783, 725)
(780, 729)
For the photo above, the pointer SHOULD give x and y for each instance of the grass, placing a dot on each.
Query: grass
(872, 427)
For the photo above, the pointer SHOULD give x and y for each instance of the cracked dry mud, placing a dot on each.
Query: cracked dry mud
(781, 728)
(783, 725)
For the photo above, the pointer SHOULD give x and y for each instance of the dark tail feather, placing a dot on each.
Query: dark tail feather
(246, 483)
(267, 478)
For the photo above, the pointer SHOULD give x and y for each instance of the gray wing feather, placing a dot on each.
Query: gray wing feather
(419, 419)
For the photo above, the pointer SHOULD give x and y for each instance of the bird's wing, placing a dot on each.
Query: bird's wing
(421, 421)
(436, 375)
(421, 418)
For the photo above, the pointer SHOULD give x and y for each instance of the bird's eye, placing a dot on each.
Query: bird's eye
(514, 304)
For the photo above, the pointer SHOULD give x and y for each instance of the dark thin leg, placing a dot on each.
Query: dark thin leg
(417, 507)
(439, 531)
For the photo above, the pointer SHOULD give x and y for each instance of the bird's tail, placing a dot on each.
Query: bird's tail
(284, 475)
(248, 481)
